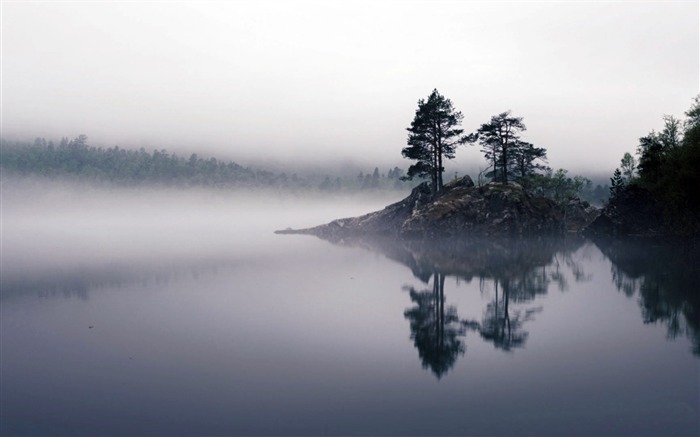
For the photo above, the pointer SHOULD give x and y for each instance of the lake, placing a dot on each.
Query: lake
(131, 312)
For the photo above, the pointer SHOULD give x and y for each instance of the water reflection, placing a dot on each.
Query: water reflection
(502, 326)
(666, 278)
(516, 271)
(436, 329)
(79, 281)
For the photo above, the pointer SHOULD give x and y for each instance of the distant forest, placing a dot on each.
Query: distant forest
(76, 159)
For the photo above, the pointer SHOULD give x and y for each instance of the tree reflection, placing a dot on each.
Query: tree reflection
(500, 325)
(666, 276)
(435, 330)
(519, 269)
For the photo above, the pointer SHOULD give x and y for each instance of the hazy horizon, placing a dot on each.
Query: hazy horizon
(146, 294)
(332, 82)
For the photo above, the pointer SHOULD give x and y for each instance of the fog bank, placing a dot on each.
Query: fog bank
(48, 226)
(308, 80)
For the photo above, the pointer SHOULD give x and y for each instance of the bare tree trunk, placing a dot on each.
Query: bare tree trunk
(434, 172)
(505, 161)
(439, 170)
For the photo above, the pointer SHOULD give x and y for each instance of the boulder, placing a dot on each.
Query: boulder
(463, 182)
(579, 214)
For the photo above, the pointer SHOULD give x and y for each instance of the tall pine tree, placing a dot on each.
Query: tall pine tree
(433, 137)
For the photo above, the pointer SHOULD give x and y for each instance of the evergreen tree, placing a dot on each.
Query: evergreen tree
(628, 165)
(654, 148)
(616, 183)
(651, 154)
(500, 142)
(375, 178)
(526, 156)
(433, 137)
(693, 114)
(670, 137)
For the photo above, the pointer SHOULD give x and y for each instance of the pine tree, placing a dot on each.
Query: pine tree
(616, 183)
(628, 165)
(433, 137)
(526, 156)
(501, 144)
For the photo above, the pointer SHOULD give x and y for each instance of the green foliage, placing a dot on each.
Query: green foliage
(651, 154)
(558, 186)
(654, 149)
(678, 184)
(616, 183)
(624, 174)
(433, 136)
(526, 163)
(670, 137)
(628, 165)
(669, 164)
(693, 115)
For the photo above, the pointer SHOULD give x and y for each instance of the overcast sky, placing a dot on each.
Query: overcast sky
(335, 80)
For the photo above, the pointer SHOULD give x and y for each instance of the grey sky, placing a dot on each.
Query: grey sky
(331, 80)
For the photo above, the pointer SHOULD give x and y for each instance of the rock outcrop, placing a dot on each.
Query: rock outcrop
(463, 209)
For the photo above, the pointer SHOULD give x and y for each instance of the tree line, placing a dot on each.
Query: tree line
(434, 135)
(667, 166)
(76, 159)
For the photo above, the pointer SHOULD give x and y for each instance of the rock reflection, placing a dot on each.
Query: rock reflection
(665, 276)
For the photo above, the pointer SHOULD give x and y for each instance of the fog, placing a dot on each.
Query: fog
(331, 81)
(160, 312)
(52, 228)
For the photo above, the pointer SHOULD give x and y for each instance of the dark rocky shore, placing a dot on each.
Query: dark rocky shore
(635, 212)
(463, 209)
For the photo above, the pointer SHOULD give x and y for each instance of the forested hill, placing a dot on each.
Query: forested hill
(76, 159)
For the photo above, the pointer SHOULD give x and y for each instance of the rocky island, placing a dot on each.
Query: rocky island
(657, 196)
(463, 209)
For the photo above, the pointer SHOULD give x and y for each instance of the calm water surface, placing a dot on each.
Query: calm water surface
(202, 321)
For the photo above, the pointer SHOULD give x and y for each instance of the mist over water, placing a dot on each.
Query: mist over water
(155, 311)
(63, 237)
(61, 225)
(144, 310)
